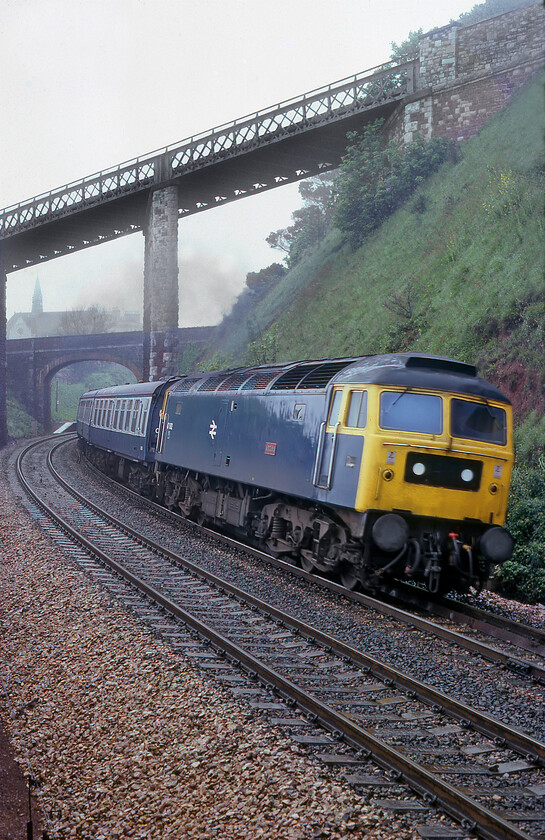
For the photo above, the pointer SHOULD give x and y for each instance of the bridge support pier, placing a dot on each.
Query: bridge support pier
(161, 285)
(3, 367)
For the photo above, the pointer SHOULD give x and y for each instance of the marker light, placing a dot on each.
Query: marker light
(468, 475)
(419, 468)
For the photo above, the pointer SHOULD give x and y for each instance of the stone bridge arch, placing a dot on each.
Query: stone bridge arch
(46, 374)
(33, 362)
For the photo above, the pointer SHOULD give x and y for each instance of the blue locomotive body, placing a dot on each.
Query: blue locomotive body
(262, 439)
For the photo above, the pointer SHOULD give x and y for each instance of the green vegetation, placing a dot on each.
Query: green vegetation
(457, 269)
(523, 577)
(87, 376)
(375, 180)
(20, 423)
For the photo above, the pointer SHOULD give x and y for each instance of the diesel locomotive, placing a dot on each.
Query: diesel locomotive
(368, 468)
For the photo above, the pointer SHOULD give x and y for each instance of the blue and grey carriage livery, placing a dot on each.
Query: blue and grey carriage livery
(119, 427)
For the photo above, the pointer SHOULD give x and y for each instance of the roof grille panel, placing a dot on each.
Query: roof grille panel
(187, 383)
(322, 375)
(212, 382)
(233, 382)
(291, 378)
(260, 380)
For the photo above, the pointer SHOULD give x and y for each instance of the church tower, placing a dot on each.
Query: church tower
(37, 300)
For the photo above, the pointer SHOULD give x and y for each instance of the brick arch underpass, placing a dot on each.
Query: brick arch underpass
(33, 362)
(45, 377)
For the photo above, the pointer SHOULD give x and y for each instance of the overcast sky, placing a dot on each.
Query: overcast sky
(91, 83)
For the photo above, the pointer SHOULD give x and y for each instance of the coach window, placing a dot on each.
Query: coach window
(128, 415)
(144, 420)
(357, 410)
(116, 414)
(135, 413)
(121, 424)
(335, 407)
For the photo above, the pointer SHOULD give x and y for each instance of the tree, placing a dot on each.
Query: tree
(408, 48)
(489, 9)
(263, 280)
(310, 223)
(88, 321)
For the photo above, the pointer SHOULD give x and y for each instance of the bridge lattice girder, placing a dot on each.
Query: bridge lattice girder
(278, 145)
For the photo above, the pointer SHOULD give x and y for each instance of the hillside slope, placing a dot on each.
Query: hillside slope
(457, 271)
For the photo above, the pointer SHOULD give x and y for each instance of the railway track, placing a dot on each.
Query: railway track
(513, 636)
(389, 731)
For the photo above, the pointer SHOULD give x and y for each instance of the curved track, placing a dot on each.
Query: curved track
(382, 717)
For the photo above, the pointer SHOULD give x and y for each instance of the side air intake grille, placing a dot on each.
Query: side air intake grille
(291, 378)
(212, 382)
(322, 375)
(307, 377)
(260, 380)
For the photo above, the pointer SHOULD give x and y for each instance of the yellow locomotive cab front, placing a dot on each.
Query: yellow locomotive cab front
(429, 468)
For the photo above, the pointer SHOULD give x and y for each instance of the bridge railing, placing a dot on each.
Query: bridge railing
(360, 92)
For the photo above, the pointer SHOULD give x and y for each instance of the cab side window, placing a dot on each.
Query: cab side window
(335, 408)
(357, 410)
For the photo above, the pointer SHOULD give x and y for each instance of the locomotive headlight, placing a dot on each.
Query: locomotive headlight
(467, 475)
(419, 468)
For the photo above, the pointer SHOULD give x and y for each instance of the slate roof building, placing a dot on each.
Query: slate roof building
(40, 324)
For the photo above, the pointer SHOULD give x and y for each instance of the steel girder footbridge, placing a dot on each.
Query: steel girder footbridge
(281, 144)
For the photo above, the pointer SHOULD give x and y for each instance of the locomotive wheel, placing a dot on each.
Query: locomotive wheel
(349, 576)
(307, 564)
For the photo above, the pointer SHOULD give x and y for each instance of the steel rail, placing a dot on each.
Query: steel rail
(529, 638)
(499, 657)
(483, 723)
(471, 814)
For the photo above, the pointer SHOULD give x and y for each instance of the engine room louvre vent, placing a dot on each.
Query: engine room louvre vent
(322, 375)
(291, 378)
(307, 377)
(212, 382)
(186, 384)
(260, 380)
(233, 382)
(445, 365)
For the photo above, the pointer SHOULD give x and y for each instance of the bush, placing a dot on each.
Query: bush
(523, 577)
(376, 179)
(20, 423)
